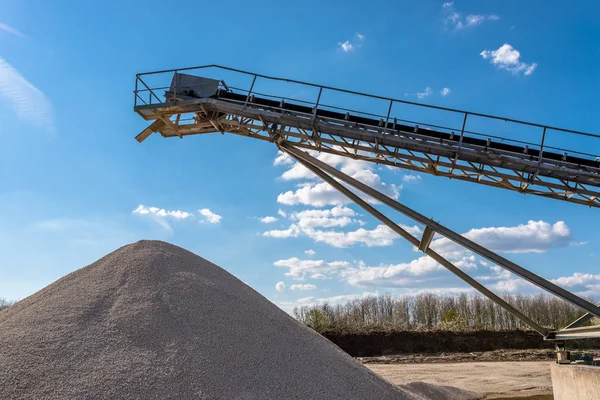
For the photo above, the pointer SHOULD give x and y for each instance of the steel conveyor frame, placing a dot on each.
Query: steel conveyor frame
(295, 126)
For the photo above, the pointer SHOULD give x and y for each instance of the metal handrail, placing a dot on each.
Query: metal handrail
(542, 144)
(420, 124)
(372, 96)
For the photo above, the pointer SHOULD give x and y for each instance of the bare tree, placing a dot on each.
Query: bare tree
(5, 304)
(434, 312)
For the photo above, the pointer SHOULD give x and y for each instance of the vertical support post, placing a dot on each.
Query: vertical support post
(542, 147)
(388, 114)
(177, 80)
(250, 92)
(318, 100)
(137, 78)
(462, 131)
(460, 141)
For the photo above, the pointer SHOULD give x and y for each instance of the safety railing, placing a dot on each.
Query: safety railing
(149, 95)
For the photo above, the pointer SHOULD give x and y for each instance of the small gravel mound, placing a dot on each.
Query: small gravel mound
(154, 321)
(427, 391)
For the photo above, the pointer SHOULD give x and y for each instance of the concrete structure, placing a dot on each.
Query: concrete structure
(576, 382)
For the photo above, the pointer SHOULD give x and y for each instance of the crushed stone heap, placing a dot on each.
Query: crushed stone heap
(154, 321)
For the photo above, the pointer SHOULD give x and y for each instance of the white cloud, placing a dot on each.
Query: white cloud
(427, 92)
(411, 178)
(161, 212)
(29, 103)
(300, 269)
(210, 216)
(310, 252)
(308, 220)
(445, 91)
(505, 282)
(379, 236)
(333, 300)
(160, 215)
(319, 194)
(398, 275)
(346, 46)
(306, 286)
(530, 68)
(418, 272)
(508, 58)
(283, 159)
(404, 275)
(11, 30)
(292, 231)
(534, 237)
(268, 220)
(512, 285)
(577, 244)
(577, 279)
(282, 213)
(335, 217)
(473, 20)
(297, 171)
(280, 286)
(456, 19)
(421, 95)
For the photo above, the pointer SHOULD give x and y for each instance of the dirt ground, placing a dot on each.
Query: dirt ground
(498, 374)
(496, 380)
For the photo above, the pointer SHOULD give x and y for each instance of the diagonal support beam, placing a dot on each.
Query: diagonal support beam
(448, 233)
(581, 321)
(156, 126)
(167, 121)
(414, 241)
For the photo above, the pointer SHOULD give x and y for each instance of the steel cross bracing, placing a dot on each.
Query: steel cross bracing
(294, 128)
(404, 149)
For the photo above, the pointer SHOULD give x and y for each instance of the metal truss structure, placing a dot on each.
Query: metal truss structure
(193, 105)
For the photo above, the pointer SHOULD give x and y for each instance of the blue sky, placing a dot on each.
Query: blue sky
(73, 177)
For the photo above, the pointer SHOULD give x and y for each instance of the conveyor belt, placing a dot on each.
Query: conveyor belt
(577, 162)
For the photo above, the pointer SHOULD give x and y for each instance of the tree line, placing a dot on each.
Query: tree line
(430, 311)
(5, 304)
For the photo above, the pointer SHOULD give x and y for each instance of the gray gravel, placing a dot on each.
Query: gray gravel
(154, 321)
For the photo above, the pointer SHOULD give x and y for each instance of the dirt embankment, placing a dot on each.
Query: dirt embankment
(375, 344)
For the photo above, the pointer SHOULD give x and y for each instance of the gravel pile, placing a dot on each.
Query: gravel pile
(154, 321)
